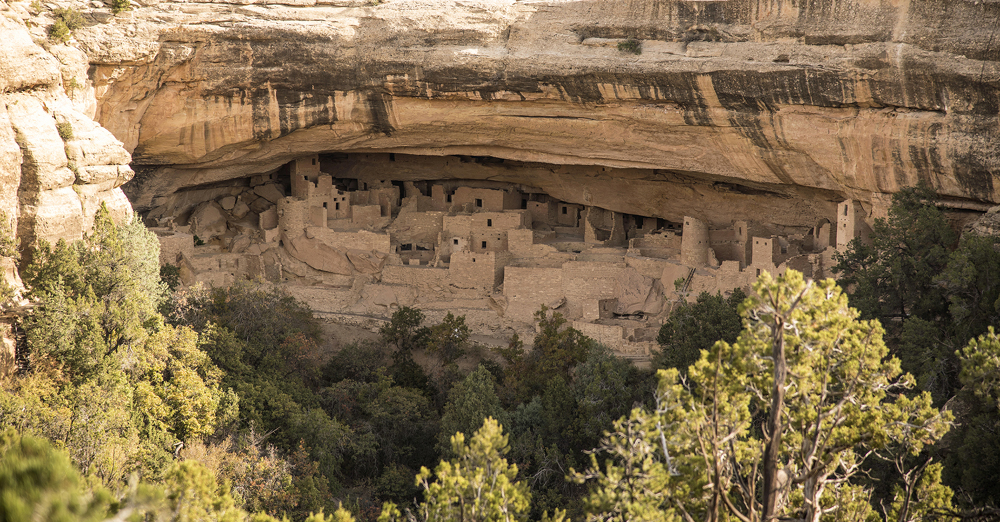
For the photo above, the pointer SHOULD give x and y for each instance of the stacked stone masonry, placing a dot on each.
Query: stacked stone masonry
(504, 252)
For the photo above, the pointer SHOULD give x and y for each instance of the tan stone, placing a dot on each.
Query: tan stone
(366, 262)
(240, 209)
(44, 164)
(208, 221)
(228, 203)
(270, 192)
(23, 65)
(318, 255)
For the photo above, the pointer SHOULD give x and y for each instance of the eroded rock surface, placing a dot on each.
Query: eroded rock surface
(733, 106)
(57, 165)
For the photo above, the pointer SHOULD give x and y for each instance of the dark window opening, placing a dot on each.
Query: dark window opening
(407, 246)
(392, 156)
(449, 198)
(305, 178)
(337, 207)
(784, 249)
(479, 202)
(324, 204)
(281, 243)
(638, 222)
(524, 204)
(845, 210)
(489, 222)
(423, 249)
(565, 211)
(758, 272)
(455, 240)
(314, 161)
(484, 244)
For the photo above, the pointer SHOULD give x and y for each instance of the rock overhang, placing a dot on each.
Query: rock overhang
(828, 100)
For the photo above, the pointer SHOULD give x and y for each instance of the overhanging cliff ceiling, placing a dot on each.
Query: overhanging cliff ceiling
(826, 98)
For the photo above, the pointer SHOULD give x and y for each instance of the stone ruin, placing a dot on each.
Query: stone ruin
(495, 252)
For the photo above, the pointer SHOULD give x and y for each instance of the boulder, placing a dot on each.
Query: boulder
(270, 192)
(318, 255)
(208, 221)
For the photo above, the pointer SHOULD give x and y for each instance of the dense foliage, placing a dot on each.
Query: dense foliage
(693, 327)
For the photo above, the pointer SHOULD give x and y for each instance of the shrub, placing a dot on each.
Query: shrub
(118, 6)
(630, 45)
(171, 276)
(67, 20)
(65, 128)
(59, 31)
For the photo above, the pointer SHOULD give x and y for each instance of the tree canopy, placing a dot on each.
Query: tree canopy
(700, 452)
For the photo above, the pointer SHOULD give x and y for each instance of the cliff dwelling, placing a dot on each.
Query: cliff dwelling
(491, 157)
(352, 238)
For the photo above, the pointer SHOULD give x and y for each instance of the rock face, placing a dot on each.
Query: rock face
(733, 109)
(57, 166)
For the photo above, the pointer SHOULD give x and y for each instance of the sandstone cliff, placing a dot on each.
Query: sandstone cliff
(57, 165)
(734, 109)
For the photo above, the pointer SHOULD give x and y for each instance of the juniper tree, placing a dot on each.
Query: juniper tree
(829, 398)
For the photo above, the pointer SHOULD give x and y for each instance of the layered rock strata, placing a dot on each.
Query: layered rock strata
(732, 106)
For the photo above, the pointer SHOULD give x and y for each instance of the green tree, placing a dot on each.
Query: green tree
(404, 331)
(392, 425)
(448, 339)
(606, 387)
(556, 350)
(894, 277)
(692, 328)
(469, 402)
(973, 285)
(830, 395)
(476, 485)
(108, 378)
(38, 482)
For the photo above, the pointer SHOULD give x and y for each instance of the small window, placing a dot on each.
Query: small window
(455, 241)
(484, 244)
(324, 204)
(449, 198)
(740, 231)
(524, 204)
(314, 161)
(784, 249)
(337, 206)
(845, 210)
(407, 246)
(392, 156)
(489, 222)
(479, 202)
(638, 222)
(564, 211)
(758, 272)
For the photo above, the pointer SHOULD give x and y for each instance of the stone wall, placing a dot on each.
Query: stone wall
(478, 269)
(344, 241)
(528, 288)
